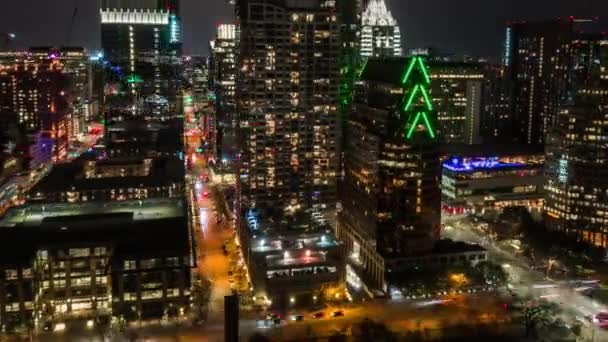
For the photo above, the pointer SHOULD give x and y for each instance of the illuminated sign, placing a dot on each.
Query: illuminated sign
(416, 102)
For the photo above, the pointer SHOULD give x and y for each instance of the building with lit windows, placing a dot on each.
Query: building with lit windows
(471, 180)
(117, 179)
(75, 64)
(457, 91)
(55, 131)
(287, 102)
(60, 263)
(30, 86)
(576, 200)
(380, 34)
(140, 138)
(538, 57)
(496, 123)
(224, 56)
(390, 195)
(142, 38)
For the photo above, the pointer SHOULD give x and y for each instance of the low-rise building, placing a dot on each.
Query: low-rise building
(475, 180)
(119, 179)
(65, 261)
(292, 269)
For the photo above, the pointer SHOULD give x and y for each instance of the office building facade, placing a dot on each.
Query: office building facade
(539, 59)
(576, 199)
(287, 104)
(390, 195)
(142, 39)
(224, 55)
(457, 92)
(479, 183)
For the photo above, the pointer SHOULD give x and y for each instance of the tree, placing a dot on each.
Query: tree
(257, 337)
(375, 332)
(538, 314)
(492, 273)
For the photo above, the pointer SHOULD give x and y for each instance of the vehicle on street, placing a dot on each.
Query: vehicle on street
(296, 318)
(318, 315)
(338, 313)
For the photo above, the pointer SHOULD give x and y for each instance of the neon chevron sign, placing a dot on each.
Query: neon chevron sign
(416, 103)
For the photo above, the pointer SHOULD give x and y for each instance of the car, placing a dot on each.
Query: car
(602, 316)
(48, 326)
(263, 323)
(296, 318)
(318, 315)
(338, 313)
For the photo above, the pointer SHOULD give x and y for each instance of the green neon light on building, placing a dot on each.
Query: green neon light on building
(427, 99)
(413, 126)
(363, 67)
(429, 128)
(410, 68)
(411, 98)
(416, 81)
(425, 73)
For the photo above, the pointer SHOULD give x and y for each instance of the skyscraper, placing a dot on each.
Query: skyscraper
(457, 92)
(287, 102)
(576, 199)
(224, 56)
(142, 40)
(537, 74)
(380, 33)
(390, 194)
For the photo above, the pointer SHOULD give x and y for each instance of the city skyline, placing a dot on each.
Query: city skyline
(365, 170)
(483, 36)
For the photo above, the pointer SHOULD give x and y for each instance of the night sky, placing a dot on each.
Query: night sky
(463, 26)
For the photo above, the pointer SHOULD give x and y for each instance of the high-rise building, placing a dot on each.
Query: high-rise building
(224, 55)
(287, 103)
(142, 38)
(380, 33)
(496, 124)
(457, 92)
(538, 57)
(75, 64)
(32, 85)
(390, 195)
(576, 199)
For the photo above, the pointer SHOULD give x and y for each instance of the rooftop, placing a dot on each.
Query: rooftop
(486, 150)
(163, 171)
(121, 231)
(311, 241)
(457, 164)
(35, 214)
(391, 69)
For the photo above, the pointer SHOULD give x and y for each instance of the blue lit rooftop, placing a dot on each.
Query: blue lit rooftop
(479, 164)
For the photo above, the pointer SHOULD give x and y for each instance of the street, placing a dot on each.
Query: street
(525, 281)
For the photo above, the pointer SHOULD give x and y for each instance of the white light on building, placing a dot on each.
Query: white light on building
(380, 34)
